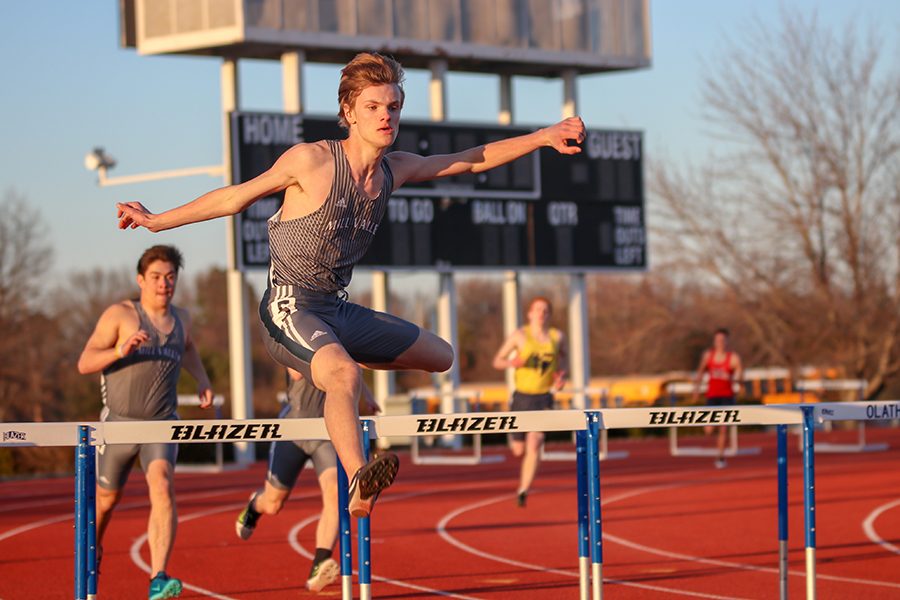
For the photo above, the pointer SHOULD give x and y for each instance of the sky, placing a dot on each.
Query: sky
(67, 87)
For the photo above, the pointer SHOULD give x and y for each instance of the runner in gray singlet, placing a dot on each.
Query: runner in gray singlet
(139, 347)
(140, 387)
(335, 193)
(286, 460)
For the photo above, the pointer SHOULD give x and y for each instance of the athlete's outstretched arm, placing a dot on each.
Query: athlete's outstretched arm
(192, 363)
(412, 167)
(224, 201)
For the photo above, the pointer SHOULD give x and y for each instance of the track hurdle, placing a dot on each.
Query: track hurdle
(733, 448)
(858, 386)
(698, 416)
(507, 422)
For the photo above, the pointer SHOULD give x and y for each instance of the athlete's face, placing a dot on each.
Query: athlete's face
(158, 283)
(720, 341)
(539, 313)
(376, 114)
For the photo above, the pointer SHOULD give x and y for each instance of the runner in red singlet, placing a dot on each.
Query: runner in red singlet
(723, 368)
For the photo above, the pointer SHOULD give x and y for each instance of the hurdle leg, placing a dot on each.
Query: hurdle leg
(593, 470)
(782, 512)
(584, 544)
(91, 499)
(809, 499)
(81, 454)
(345, 542)
(363, 536)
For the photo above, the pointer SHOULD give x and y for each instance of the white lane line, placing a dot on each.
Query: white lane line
(442, 531)
(869, 526)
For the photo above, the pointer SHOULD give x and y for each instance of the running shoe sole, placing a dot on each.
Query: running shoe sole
(172, 589)
(327, 572)
(370, 481)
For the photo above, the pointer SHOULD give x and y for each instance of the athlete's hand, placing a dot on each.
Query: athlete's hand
(516, 362)
(558, 135)
(131, 343)
(559, 380)
(133, 215)
(206, 397)
(369, 405)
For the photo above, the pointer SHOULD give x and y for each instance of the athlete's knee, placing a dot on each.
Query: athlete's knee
(535, 441)
(439, 355)
(159, 483)
(107, 499)
(445, 356)
(518, 448)
(337, 371)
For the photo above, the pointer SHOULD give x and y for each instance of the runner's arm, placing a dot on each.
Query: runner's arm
(103, 347)
(562, 363)
(738, 367)
(193, 364)
(224, 201)
(509, 348)
(701, 369)
(412, 167)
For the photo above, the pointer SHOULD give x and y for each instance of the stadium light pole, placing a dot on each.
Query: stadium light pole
(100, 161)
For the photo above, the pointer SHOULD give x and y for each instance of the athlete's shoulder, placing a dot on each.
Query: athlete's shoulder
(399, 158)
(118, 312)
(306, 155)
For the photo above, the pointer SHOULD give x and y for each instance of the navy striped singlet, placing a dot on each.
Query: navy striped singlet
(318, 251)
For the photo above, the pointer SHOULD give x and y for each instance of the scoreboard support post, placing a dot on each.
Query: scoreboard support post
(238, 325)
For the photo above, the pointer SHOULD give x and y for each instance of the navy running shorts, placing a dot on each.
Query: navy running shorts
(297, 322)
(522, 401)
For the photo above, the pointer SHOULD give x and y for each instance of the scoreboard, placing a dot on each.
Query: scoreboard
(544, 210)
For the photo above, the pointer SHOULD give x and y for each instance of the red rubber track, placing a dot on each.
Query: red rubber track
(674, 528)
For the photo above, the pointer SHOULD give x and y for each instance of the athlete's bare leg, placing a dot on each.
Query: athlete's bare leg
(720, 441)
(327, 529)
(339, 376)
(163, 520)
(271, 500)
(106, 502)
(429, 353)
(531, 459)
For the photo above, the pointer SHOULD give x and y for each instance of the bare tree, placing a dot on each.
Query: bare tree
(797, 220)
(24, 260)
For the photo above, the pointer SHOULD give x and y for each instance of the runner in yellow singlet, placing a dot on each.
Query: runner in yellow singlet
(538, 354)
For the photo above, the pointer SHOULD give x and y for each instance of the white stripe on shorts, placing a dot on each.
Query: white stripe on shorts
(287, 325)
